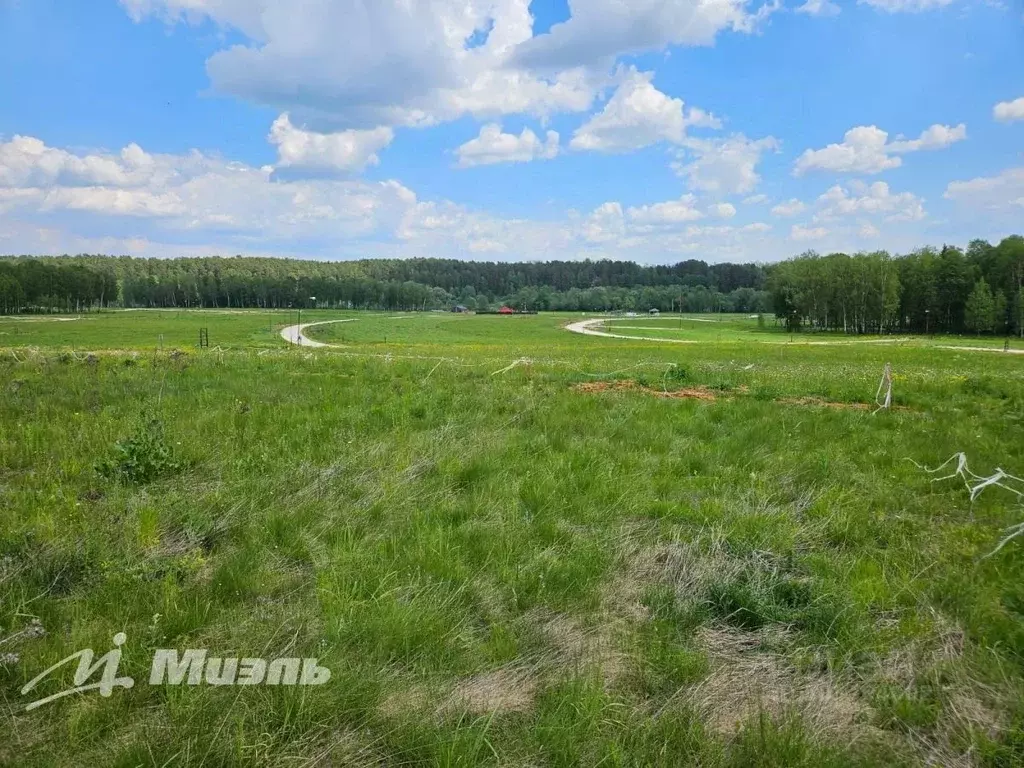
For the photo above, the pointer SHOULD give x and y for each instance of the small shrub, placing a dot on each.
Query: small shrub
(140, 458)
(676, 373)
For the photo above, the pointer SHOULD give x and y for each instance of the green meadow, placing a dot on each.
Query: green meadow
(510, 544)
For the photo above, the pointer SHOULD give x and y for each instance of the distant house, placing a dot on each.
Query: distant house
(460, 308)
(654, 312)
(506, 311)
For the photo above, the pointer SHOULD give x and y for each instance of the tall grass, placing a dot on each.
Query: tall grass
(504, 569)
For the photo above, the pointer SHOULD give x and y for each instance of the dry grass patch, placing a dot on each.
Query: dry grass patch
(628, 385)
(934, 672)
(746, 680)
(506, 689)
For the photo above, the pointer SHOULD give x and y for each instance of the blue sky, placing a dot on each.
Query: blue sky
(506, 129)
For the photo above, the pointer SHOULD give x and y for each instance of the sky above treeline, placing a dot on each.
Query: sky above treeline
(648, 130)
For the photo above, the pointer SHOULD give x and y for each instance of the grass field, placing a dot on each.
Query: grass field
(511, 544)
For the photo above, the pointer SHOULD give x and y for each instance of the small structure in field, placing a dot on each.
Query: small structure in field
(654, 312)
(506, 311)
(460, 308)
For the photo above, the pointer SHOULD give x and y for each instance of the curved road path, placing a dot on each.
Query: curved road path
(293, 333)
(590, 328)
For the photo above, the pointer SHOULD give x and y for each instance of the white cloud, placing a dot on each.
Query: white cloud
(1008, 111)
(1004, 191)
(667, 231)
(26, 161)
(191, 192)
(492, 146)
(637, 115)
(866, 149)
(670, 212)
(819, 8)
(875, 199)
(802, 233)
(935, 137)
(698, 118)
(431, 226)
(345, 151)
(755, 199)
(600, 30)
(197, 204)
(123, 202)
(791, 207)
(868, 231)
(722, 166)
(722, 210)
(905, 6)
(862, 151)
(605, 223)
(339, 64)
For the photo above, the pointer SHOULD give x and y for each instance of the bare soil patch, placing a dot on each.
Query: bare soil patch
(708, 395)
(629, 385)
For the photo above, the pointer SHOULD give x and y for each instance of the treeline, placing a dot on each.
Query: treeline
(980, 290)
(54, 285)
(947, 290)
(40, 284)
(667, 298)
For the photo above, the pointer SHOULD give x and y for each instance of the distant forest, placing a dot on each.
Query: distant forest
(948, 290)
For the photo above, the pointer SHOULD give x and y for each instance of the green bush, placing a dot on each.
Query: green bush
(141, 458)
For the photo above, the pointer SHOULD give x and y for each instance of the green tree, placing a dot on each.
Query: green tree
(980, 309)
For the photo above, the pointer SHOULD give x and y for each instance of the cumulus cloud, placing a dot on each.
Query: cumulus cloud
(605, 223)
(722, 166)
(790, 207)
(492, 146)
(667, 228)
(198, 204)
(25, 161)
(670, 212)
(637, 115)
(344, 64)
(433, 225)
(722, 210)
(600, 30)
(699, 118)
(1008, 111)
(755, 199)
(935, 137)
(866, 149)
(1004, 191)
(191, 192)
(340, 64)
(344, 151)
(801, 233)
(875, 199)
